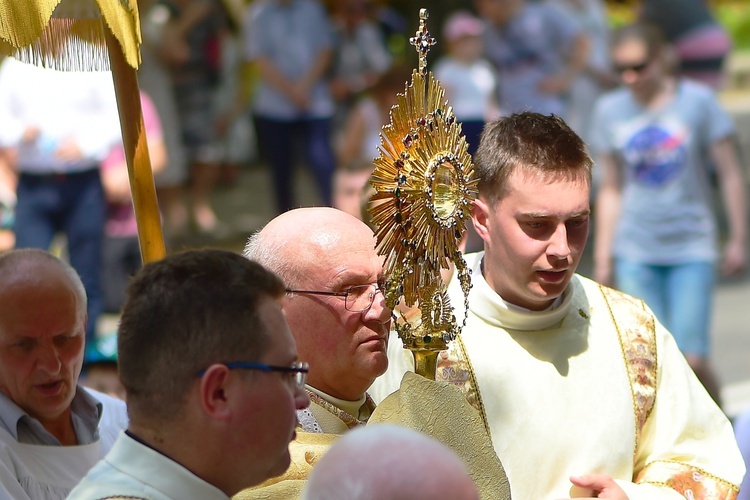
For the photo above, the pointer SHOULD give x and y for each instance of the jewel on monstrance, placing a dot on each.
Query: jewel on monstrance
(427, 339)
(445, 190)
(398, 164)
(408, 140)
(399, 218)
(421, 121)
(402, 180)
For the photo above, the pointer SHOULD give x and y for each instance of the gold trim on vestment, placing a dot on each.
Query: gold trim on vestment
(689, 481)
(454, 366)
(345, 417)
(636, 332)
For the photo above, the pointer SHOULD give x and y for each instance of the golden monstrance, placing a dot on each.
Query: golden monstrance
(425, 185)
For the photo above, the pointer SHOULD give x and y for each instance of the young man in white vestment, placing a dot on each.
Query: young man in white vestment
(212, 380)
(583, 392)
(52, 430)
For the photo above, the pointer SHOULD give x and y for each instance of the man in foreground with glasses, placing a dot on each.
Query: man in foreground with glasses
(212, 379)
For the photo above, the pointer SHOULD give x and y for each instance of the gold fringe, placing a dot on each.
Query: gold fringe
(31, 32)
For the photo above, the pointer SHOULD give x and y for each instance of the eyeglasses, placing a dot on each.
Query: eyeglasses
(357, 298)
(297, 372)
(635, 68)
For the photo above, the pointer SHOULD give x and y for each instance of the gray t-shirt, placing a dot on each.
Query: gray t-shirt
(666, 212)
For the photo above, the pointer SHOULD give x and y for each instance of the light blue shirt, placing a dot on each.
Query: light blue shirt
(292, 37)
(86, 411)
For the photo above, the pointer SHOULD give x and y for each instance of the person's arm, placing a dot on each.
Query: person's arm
(575, 63)
(352, 139)
(733, 189)
(606, 215)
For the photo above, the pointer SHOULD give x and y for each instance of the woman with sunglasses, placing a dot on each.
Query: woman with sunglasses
(658, 141)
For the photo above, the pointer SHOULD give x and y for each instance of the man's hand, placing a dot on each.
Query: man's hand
(596, 486)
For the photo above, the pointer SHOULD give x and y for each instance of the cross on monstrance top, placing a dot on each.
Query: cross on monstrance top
(422, 40)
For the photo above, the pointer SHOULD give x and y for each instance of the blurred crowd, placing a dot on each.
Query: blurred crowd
(283, 83)
(288, 82)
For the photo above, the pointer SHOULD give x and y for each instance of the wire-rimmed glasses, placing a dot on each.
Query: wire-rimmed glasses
(358, 298)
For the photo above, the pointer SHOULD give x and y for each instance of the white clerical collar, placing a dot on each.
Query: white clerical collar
(488, 305)
(353, 408)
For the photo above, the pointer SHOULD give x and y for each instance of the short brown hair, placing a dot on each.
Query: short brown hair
(184, 313)
(545, 145)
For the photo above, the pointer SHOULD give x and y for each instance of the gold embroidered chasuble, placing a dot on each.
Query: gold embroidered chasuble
(583, 388)
(434, 408)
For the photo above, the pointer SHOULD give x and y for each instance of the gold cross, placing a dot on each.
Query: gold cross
(422, 40)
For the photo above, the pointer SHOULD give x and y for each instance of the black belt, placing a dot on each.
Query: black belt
(59, 176)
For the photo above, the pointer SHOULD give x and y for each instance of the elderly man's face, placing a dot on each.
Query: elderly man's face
(346, 350)
(41, 344)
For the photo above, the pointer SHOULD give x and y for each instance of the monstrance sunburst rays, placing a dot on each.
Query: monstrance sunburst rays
(425, 185)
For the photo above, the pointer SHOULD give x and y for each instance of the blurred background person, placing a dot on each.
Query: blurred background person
(656, 233)
(537, 51)
(700, 43)
(291, 43)
(596, 76)
(57, 127)
(154, 80)
(359, 139)
(467, 77)
(122, 253)
(360, 55)
(191, 47)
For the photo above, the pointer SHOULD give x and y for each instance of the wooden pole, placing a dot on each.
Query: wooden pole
(145, 205)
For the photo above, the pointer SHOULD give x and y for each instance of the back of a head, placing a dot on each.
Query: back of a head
(389, 462)
(184, 313)
(542, 145)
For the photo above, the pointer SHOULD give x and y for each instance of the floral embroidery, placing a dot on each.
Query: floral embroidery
(637, 332)
(691, 482)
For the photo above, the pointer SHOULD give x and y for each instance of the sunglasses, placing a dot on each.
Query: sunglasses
(636, 68)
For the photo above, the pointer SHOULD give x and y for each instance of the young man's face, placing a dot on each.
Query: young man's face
(534, 238)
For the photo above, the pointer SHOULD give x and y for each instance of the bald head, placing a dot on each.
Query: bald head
(293, 242)
(387, 461)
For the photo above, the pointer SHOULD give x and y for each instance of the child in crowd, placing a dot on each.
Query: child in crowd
(121, 255)
(358, 142)
(468, 78)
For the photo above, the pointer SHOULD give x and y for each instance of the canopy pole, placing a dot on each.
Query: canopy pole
(145, 205)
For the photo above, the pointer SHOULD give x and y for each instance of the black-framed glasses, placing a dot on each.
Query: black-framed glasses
(636, 68)
(357, 298)
(297, 371)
